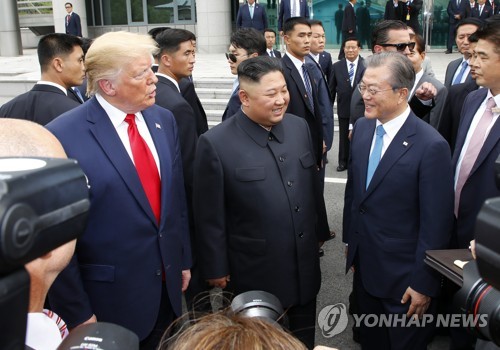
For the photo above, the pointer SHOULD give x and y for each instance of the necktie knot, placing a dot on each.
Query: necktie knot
(130, 119)
(380, 131)
(490, 104)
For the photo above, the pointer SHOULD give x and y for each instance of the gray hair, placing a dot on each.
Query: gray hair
(402, 74)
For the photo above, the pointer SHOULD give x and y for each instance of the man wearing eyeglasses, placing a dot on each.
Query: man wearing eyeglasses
(245, 43)
(72, 21)
(392, 35)
(395, 207)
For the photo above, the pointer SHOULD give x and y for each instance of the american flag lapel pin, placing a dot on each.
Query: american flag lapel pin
(158, 126)
(405, 143)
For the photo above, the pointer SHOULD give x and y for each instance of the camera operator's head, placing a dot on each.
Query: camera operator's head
(225, 331)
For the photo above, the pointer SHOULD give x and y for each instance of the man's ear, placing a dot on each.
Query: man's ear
(245, 100)
(377, 49)
(57, 64)
(165, 60)
(107, 87)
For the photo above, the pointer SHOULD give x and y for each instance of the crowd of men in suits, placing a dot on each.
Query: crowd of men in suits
(177, 208)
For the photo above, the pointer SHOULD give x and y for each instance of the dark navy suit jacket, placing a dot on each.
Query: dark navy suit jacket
(453, 10)
(480, 185)
(74, 27)
(233, 105)
(406, 210)
(116, 272)
(259, 20)
(450, 72)
(285, 9)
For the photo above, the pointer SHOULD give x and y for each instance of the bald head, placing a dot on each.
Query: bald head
(22, 138)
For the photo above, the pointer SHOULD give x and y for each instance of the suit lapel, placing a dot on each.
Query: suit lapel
(401, 143)
(366, 137)
(107, 137)
(468, 113)
(299, 82)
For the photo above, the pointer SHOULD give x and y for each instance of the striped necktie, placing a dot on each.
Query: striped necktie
(460, 75)
(351, 72)
(307, 84)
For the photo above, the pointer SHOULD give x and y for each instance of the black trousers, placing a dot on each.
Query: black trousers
(343, 141)
(302, 322)
(165, 318)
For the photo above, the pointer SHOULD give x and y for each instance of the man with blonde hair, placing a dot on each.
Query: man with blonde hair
(132, 261)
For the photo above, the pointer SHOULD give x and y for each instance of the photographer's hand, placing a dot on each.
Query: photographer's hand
(219, 282)
(472, 248)
(186, 277)
(419, 302)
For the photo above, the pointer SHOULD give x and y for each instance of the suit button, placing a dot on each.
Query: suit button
(270, 138)
(282, 159)
(301, 234)
(158, 272)
(362, 210)
(161, 235)
(289, 183)
(297, 208)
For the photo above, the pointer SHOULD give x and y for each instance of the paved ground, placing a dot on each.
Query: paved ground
(336, 284)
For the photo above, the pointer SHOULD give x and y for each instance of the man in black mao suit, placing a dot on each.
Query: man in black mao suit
(72, 21)
(61, 64)
(342, 88)
(257, 20)
(255, 196)
(393, 152)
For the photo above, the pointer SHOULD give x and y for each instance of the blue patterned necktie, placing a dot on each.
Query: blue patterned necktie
(351, 72)
(307, 84)
(458, 79)
(376, 154)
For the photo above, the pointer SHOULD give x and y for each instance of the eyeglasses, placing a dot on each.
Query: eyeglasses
(371, 91)
(233, 57)
(400, 47)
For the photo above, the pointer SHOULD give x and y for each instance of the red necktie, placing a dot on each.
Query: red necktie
(145, 165)
(67, 19)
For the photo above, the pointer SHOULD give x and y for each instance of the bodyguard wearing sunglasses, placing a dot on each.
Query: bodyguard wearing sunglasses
(392, 35)
(245, 43)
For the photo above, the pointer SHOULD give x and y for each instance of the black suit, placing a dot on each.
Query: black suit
(393, 13)
(233, 105)
(325, 61)
(276, 53)
(253, 222)
(189, 93)
(487, 12)
(450, 117)
(342, 90)
(451, 69)
(453, 10)
(41, 104)
(299, 104)
(414, 11)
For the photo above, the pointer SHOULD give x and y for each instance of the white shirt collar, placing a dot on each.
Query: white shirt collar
(418, 76)
(355, 62)
(45, 82)
(171, 79)
(115, 115)
(392, 126)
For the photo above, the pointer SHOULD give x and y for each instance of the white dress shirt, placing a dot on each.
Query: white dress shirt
(391, 128)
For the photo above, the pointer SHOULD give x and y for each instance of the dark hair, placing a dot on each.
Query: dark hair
(55, 44)
(419, 40)
(473, 38)
(270, 30)
(341, 6)
(490, 32)
(290, 23)
(401, 68)
(470, 20)
(253, 69)
(171, 39)
(315, 22)
(86, 42)
(353, 38)
(380, 34)
(155, 31)
(68, 3)
(249, 39)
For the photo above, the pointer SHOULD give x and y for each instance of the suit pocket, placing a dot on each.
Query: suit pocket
(307, 160)
(254, 246)
(99, 273)
(250, 174)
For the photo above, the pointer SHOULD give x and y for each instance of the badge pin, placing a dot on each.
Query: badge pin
(158, 126)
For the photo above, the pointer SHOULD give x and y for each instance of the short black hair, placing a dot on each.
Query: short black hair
(315, 22)
(171, 39)
(253, 69)
(155, 31)
(419, 40)
(352, 38)
(469, 20)
(55, 44)
(490, 32)
(290, 23)
(68, 3)
(249, 39)
(270, 30)
(380, 34)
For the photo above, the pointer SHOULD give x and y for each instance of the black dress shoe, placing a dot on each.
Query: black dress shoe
(447, 51)
(341, 167)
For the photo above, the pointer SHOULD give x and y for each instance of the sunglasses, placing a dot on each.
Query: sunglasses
(400, 47)
(233, 57)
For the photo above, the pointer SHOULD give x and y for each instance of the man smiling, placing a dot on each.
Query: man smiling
(255, 199)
